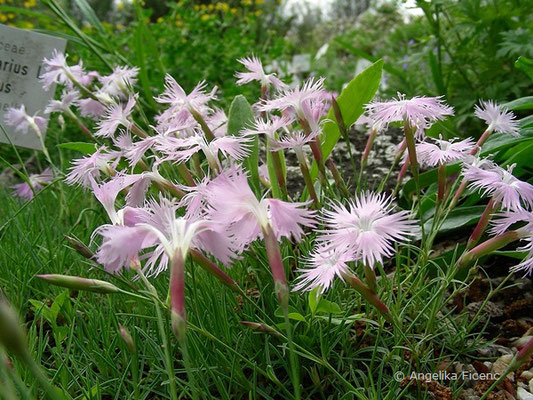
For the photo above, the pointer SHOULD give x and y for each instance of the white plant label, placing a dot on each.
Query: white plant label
(21, 57)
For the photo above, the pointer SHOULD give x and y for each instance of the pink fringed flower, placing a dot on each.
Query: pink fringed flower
(525, 232)
(500, 183)
(256, 73)
(91, 108)
(165, 234)
(68, 98)
(368, 227)
(267, 127)
(443, 151)
(56, 70)
(175, 96)
(19, 119)
(37, 182)
(116, 115)
(294, 140)
(180, 150)
(323, 266)
(85, 170)
(498, 118)
(297, 100)
(120, 82)
(418, 111)
(232, 204)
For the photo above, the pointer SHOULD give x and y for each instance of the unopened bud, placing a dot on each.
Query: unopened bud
(79, 246)
(128, 340)
(12, 335)
(258, 327)
(78, 283)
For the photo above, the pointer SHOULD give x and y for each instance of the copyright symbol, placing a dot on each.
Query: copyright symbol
(398, 376)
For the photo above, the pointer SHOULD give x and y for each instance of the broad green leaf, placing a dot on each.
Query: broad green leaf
(518, 255)
(521, 154)
(523, 103)
(328, 307)
(526, 65)
(293, 314)
(240, 116)
(313, 297)
(458, 218)
(82, 147)
(426, 179)
(526, 122)
(351, 101)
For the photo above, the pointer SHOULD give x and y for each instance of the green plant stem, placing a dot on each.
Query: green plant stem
(278, 168)
(295, 365)
(163, 333)
(302, 162)
(409, 132)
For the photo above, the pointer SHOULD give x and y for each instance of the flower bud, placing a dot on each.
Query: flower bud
(78, 283)
(258, 327)
(79, 246)
(128, 340)
(12, 335)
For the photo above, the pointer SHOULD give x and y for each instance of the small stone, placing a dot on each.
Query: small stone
(531, 385)
(501, 364)
(494, 350)
(488, 364)
(523, 394)
(527, 375)
(469, 394)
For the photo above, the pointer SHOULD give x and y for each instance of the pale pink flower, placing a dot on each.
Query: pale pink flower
(418, 111)
(19, 119)
(91, 108)
(180, 150)
(294, 140)
(268, 127)
(296, 100)
(500, 184)
(137, 150)
(232, 204)
(323, 266)
(506, 219)
(116, 115)
(37, 182)
(162, 231)
(179, 99)
(56, 70)
(443, 151)
(68, 98)
(256, 73)
(498, 118)
(370, 123)
(525, 232)
(120, 82)
(85, 170)
(107, 192)
(218, 122)
(368, 227)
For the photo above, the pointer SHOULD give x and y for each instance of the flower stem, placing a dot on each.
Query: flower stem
(282, 292)
(162, 331)
(278, 168)
(482, 224)
(369, 296)
(302, 162)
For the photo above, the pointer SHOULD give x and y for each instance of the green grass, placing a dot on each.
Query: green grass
(350, 354)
